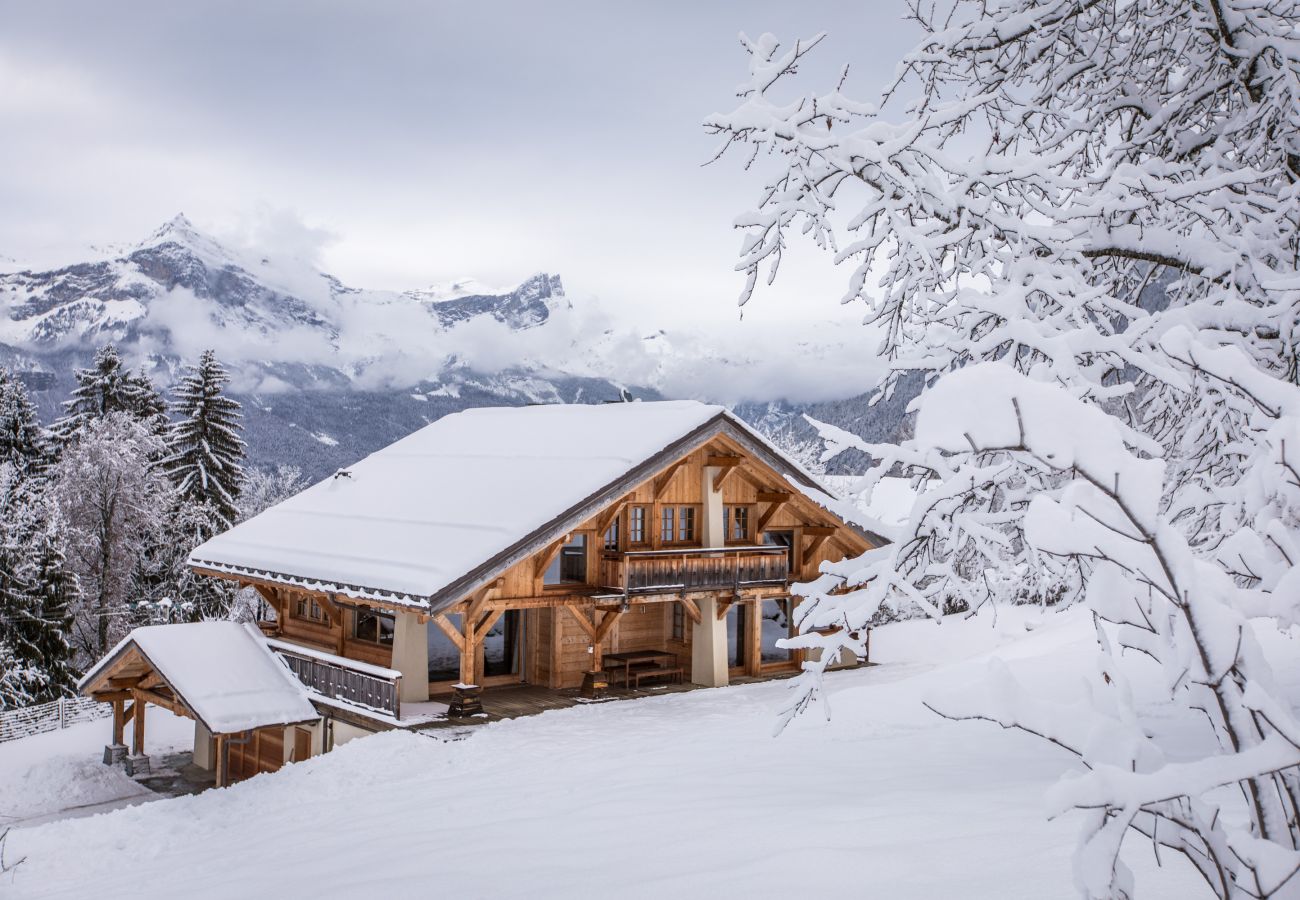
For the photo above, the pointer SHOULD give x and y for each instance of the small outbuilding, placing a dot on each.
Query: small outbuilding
(220, 674)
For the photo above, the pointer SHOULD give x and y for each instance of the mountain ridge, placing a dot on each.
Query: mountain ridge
(328, 372)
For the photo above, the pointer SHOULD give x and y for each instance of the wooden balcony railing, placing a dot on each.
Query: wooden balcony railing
(343, 679)
(668, 571)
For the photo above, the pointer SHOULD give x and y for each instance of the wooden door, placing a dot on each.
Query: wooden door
(301, 744)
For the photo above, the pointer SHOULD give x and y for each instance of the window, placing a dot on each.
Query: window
(677, 524)
(636, 525)
(611, 536)
(666, 530)
(309, 608)
(374, 627)
(570, 564)
(686, 524)
(738, 524)
(679, 622)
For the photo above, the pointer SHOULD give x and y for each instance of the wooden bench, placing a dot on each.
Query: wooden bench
(672, 674)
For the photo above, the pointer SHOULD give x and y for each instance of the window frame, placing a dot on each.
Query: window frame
(674, 512)
(747, 539)
(637, 535)
(379, 616)
(307, 608)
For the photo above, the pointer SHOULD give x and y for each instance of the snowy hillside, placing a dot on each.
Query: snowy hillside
(896, 801)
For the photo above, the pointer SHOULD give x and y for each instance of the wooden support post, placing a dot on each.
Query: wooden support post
(137, 728)
(119, 722)
(468, 654)
(223, 760)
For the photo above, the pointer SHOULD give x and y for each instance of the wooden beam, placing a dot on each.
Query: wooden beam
(481, 631)
(587, 625)
(819, 530)
(726, 465)
(661, 483)
(543, 560)
(777, 499)
(449, 629)
(811, 549)
(692, 609)
(723, 606)
(606, 518)
(110, 696)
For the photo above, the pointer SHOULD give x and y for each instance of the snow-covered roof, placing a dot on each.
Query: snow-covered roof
(223, 672)
(420, 519)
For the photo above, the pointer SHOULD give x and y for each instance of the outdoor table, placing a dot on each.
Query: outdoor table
(630, 657)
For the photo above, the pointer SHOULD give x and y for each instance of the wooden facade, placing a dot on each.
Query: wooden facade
(716, 527)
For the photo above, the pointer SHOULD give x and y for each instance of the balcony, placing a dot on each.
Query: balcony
(337, 678)
(684, 571)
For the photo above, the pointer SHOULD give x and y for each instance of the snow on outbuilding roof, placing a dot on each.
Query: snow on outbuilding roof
(223, 672)
(423, 515)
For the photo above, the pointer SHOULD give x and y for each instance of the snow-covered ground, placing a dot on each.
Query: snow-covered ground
(685, 795)
(60, 774)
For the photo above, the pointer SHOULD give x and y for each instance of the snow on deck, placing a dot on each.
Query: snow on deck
(413, 517)
(223, 671)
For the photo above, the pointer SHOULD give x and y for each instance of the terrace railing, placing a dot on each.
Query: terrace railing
(671, 571)
(343, 679)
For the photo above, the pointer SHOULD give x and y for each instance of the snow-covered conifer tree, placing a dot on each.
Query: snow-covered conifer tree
(21, 438)
(109, 387)
(52, 590)
(1012, 200)
(205, 450)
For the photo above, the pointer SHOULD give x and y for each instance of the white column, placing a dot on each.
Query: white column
(203, 748)
(411, 656)
(709, 636)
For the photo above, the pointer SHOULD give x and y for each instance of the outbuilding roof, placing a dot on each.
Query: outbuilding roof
(223, 672)
(422, 520)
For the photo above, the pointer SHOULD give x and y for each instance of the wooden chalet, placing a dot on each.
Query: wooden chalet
(561, 546)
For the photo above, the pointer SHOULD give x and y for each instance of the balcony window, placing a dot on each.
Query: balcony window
(570, 564)
(666, 530)
(611, 536)
(677, 525)
(374, 627)
(636, 525)
(738, 524)
(686, 525)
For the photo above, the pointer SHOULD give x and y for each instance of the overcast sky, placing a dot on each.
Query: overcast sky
(414, 143)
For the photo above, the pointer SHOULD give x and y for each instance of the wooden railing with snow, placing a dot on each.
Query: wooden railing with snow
(650, 571)
(343, 679)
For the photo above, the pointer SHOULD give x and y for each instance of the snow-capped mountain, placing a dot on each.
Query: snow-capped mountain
(329, 372)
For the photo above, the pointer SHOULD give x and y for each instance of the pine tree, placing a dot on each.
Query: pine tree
(52, 590)
(205, 449)
(109, 387)
(17, 608)
(21, 440)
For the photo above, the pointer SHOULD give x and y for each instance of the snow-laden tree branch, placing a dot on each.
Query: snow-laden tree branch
(1100, 201)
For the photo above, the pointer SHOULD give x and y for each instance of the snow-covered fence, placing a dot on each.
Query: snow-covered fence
(26, 721)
